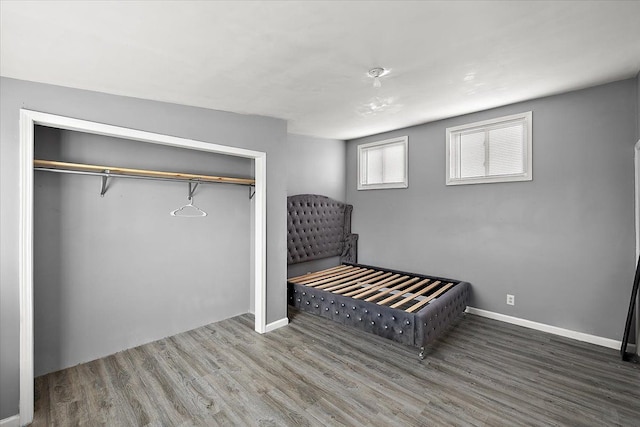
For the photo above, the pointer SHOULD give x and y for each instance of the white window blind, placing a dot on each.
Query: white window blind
(383, 164)
(496, 150)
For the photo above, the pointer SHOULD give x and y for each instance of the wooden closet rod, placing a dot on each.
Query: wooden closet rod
(51, 165)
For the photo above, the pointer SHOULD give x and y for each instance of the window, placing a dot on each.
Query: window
(383, 164)
(497, 150)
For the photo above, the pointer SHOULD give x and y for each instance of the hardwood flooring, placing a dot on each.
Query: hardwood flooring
(317, 373)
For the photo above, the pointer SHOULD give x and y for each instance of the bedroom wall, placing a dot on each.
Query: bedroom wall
(316, 166)
(117, 271)
(563, 244)
(251, 132)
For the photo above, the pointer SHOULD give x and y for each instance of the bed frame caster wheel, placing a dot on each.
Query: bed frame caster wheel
(421, 354)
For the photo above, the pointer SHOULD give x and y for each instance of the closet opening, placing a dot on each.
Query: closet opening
(129, 198)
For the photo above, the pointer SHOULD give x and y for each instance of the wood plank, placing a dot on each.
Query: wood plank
(396, 287)
(405, 280)
(362, 284)
(403, 292)
(318, 273)
(429, 298)
(389, 290)
(347, 278)
(358, 282)
(416, 294)
(373, 285)
(344, 275)
(333, 274)
(52, 164)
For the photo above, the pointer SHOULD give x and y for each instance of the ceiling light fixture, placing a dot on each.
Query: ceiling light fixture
(376, 73)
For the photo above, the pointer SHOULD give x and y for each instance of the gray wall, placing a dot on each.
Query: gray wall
(563, 243)
(251, 132)
(116, 272)
(316, 166)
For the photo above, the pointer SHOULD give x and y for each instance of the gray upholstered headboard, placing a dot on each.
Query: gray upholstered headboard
(319, 227)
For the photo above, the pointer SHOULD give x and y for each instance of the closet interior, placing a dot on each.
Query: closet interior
(113, 266)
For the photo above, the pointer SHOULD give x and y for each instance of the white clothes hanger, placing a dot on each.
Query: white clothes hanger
(189, 210)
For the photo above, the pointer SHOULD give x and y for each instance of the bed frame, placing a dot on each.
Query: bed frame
(412, 309)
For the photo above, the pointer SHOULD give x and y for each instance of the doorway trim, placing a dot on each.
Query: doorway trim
(28, 120)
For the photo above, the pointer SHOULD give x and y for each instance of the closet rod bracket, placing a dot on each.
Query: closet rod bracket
(252, 192)
(192, 188)
(103, 188)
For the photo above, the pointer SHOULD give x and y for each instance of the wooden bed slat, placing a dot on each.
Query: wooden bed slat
(340, 279)
(352, 284)
(318, 273)
(416, 294)
(362, 284)
(351, 276)
(429, 298)
(320, 281)
(388, 291)
(326, 276)
(394, 288)
(404, 280)
(403, 292)
(376, 285)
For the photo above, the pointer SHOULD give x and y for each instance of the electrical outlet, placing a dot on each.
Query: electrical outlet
(511, 300)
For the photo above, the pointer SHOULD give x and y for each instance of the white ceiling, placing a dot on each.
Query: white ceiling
(306, 62)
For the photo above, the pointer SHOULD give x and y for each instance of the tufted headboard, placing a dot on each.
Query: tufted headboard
(319, 227)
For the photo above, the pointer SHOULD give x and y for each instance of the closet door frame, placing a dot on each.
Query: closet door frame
(28, 120)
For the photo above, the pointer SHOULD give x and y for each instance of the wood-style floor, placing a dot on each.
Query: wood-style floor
(316, 373)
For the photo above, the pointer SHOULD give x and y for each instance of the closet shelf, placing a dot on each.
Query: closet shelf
(113, 171)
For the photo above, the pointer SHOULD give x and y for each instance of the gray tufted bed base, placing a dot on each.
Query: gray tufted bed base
(408, 308)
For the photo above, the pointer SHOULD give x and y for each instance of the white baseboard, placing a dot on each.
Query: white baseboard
(10, 421)
(580, 336)
(277, 324)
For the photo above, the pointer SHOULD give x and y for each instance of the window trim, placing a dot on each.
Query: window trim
(527, 175)
(404, 140)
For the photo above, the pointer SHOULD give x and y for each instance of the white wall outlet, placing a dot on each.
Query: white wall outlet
(511, 300)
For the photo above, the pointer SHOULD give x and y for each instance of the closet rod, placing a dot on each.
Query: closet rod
(118, 172)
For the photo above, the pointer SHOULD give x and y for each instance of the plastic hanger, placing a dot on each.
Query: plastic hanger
(189, 210)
